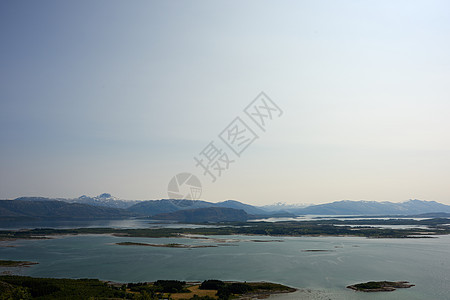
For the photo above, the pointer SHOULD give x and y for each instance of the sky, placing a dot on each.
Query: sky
(119, 97)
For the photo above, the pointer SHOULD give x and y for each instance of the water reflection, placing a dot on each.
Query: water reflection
(132, 223)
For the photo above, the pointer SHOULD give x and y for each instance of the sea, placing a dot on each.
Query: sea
(319, 267)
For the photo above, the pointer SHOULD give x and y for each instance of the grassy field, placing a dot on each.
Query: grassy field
(195, 291)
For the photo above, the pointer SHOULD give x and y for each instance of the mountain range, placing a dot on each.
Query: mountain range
(282, 206)
(154, 207)
(107, 206)
(104, 199)
(347, 207)
(51, 209)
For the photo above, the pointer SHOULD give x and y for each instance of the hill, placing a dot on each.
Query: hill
(250, 209)
(208, 214)
(154, 207)
(431, 215)
(50, 209)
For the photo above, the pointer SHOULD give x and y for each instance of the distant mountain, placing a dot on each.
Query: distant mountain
(208, 214)
(282, 206)
(50, 209)
(154, 207)
(347, 207)
(105, 199)
(38, 199)
(431, 215)
(250, 209)
(420, 206)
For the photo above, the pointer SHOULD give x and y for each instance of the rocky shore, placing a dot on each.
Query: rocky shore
(380, 286)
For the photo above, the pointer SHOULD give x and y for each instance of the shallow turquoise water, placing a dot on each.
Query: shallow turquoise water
(424, 262)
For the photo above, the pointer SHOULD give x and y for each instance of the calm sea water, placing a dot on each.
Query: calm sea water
(319, 275)
(121, 223)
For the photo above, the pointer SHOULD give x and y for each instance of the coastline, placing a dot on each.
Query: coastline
(11, 285)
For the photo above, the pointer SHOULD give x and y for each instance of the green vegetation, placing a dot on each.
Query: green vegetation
(370, 285)
(18, 287)
(380, 286)
(170, 286)
(291, 228)
(159, 287)
(211, 284)
(226, 290)
(15, 263)
(22, 287)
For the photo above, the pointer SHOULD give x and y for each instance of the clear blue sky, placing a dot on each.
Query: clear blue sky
(119, 96)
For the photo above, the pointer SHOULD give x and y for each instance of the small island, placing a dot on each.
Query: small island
(340, 228)
(267, 241)
(380, 286)
(317, 250)
(172, 245)
(16, 263)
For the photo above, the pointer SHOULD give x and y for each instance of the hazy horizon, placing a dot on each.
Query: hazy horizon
(120, 97)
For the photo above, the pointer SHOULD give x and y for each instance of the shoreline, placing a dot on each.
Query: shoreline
(165, 289)
(16, 264)
(427, 235)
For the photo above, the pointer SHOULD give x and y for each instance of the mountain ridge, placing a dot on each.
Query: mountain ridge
(363, 207)
(105, 199)
(206, 214)
(52, 209)
(342, 207)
